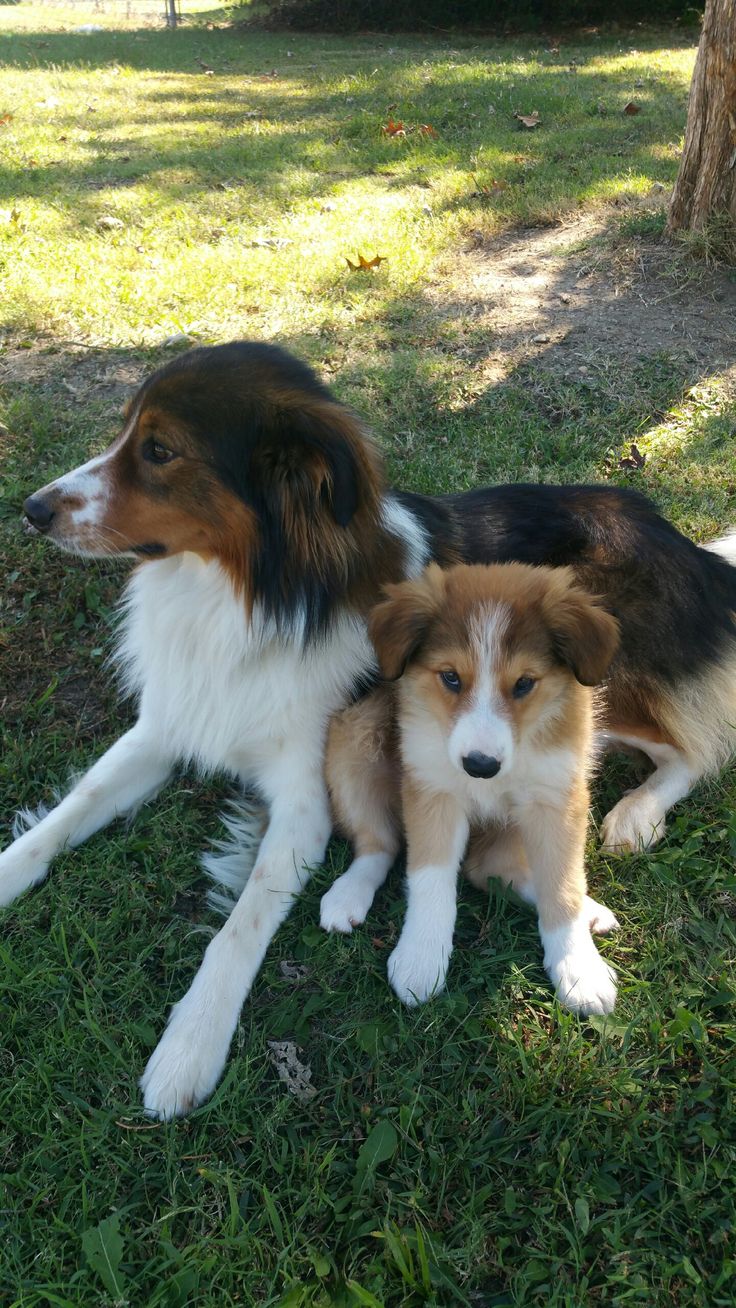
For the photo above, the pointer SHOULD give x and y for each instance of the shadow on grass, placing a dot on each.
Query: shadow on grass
(297, 133)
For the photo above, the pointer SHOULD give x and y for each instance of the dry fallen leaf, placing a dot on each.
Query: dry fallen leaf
(293, 971)
(295, 1074)
(483, 189)
(108, 222)
(633, 460)
(632, 108)
(529, 120)
(364, 265)
(393, 129)
(5, 119)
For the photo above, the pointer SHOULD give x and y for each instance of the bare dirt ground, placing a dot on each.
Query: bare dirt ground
(576, 298)
(573, 299)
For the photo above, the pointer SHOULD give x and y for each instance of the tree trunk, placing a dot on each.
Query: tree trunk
(706, 182)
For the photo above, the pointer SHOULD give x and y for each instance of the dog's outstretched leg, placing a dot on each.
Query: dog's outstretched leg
(131, 771)
(188, 1060)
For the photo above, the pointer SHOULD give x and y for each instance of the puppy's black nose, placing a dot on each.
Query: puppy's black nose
(480, 765)
(38, 512)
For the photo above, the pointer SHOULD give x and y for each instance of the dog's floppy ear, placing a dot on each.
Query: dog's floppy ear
(319, 460)
(399, 625)
(584, 635)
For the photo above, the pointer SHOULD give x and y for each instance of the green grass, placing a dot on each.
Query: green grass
(488, 1149)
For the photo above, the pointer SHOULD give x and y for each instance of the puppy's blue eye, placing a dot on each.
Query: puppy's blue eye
(523, 686)
(451, 680)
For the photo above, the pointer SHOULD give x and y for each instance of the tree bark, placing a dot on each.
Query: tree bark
(706, 182)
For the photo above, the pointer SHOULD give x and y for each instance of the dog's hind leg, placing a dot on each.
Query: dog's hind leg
(131, 771)
(188, 1061)
(638, 820)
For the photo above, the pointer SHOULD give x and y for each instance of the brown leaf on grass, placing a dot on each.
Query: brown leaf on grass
(635, 459)
(529, 120)
(393, 129)
(632, 108)
(483, 189)
(365, 265)
(5, 119)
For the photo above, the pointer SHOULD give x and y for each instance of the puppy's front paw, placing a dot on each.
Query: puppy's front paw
(599, 918)
(583, 980)
(186, 1064)
(346, 904)
(417, 968)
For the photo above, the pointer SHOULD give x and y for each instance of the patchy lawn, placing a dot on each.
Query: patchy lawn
(528, 323)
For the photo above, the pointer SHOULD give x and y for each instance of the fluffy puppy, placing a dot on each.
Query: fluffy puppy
(487, 737)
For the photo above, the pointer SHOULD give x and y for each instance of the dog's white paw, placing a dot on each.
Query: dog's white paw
(599, 918)
(417, 968)
(583, 980)
(22, 865)
(637, 822)
(345, 905)
(186, 1064)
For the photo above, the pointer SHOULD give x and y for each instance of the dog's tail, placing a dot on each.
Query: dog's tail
(232, 859)
(725, 546)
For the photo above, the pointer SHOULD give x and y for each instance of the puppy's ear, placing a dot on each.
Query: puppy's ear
(584, 635)
(399, 626)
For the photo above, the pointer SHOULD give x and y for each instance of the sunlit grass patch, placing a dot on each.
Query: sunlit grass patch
(200, 137)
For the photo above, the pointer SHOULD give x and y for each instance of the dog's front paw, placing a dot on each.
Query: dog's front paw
(345, 905)
(22, 865)
(583, 980)
(417, 968)
(634, 824)
(186, 1064)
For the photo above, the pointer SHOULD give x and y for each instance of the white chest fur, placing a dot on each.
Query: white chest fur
(223, 690)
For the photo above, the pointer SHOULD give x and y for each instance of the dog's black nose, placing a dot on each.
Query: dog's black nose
(480, 765)
(38, 512)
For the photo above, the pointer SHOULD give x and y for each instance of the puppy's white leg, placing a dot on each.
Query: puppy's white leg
(582, 979)
(188, 1061)
(638, 820)
(346, 903)
(418, 965)
(554, 839)
(132, 770)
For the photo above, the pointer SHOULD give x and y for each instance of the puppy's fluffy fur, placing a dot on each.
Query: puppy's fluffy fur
(488, 735)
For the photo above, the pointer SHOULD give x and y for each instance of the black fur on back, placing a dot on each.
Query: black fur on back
(675, 601)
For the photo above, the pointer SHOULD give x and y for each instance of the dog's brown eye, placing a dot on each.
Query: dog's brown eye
(451, 680)
(155, 452)
(523, 686)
